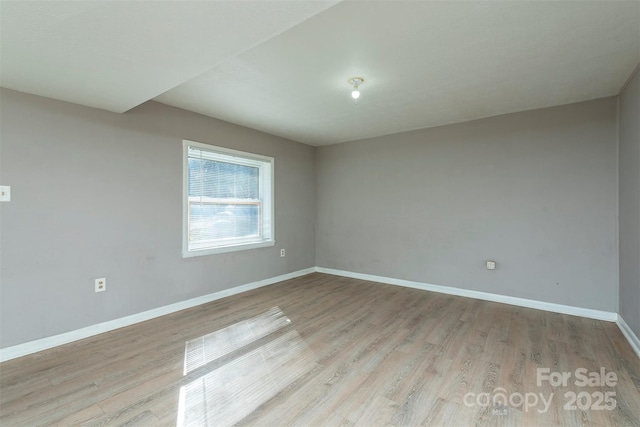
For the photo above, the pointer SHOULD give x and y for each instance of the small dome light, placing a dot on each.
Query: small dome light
(355, 82)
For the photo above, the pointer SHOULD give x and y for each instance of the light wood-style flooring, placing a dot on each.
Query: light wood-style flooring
(323, 350)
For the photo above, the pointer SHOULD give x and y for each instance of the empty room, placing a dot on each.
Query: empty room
(319, 213)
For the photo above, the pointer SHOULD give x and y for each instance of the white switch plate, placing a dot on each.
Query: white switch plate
(5, 193)
(101, 284)
(282, 253)
(491, 265)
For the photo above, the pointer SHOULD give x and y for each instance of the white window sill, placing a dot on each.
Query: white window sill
(224, 249)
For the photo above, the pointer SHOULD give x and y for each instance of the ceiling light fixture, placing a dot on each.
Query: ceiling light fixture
(355, 82)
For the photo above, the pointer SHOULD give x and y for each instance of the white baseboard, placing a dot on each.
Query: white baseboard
(629, 335)
(521, 302)
(56, 340)
(13, 352)
(608, 316)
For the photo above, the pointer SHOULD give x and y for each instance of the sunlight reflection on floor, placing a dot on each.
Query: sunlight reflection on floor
(232, 391)
(205, 349)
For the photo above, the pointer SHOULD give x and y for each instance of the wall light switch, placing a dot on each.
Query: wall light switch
(491, 265)
(5, 193)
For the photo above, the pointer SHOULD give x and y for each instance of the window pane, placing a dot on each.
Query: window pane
(215, 179)
(211, 221)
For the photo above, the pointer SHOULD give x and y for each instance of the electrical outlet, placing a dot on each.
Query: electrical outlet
(282, 253)
(491, 265)
(101, 284)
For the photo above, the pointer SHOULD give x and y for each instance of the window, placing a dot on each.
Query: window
(228, 200)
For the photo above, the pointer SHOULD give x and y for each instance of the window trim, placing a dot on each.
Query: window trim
(242, 157)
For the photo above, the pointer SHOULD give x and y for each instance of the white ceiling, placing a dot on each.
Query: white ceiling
(282, 66)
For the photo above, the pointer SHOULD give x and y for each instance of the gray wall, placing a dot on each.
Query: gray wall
(629, 178)
(100, 194)
(535, 191)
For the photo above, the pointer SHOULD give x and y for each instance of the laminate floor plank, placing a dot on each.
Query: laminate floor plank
(322, 350)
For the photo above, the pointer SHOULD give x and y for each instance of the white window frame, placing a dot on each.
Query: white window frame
(266, 195)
